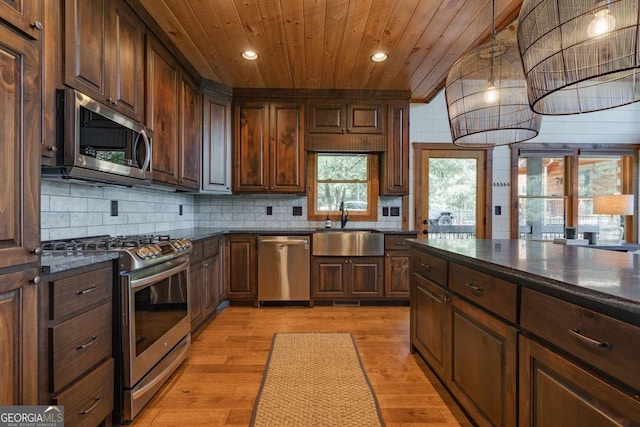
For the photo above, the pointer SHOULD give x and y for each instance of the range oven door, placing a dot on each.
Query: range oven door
(156, 316)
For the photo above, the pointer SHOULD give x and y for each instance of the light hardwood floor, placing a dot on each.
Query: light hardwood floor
(219, 382)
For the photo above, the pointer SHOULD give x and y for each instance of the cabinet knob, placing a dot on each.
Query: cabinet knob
(53, 148)
(425, 232)
(111, 100)
(37, 250)
(36, 280)
(37, 25)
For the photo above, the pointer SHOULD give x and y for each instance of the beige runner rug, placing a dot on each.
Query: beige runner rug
(315, 379)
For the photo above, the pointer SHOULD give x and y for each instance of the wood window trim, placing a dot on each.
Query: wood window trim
(629, 153)
(370, 215)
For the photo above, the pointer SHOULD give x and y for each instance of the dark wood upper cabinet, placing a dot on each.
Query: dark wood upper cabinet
(163, 106)
(25, 15)
(127, 67)
(216, 143)
(345, 117)
(190, 135)
(104, 54)
(287, 155)
(269, 147)
(394, 163)
(20, 104)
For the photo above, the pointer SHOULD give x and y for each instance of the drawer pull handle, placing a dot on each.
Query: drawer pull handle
(473, 287)
(426, 266)
(400, 243)
(92, 407)
(444, 299)
(601, 344)
(88, 343)
(86, 291)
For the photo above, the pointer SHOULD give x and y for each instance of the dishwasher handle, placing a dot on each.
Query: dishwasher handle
(284, 242)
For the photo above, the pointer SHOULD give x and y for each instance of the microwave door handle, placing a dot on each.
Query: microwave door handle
(147, 144)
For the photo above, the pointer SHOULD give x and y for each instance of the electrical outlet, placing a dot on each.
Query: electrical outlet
(385, 211)
(395, 211)
(297, 211)
(498, 210)
(269, 210)
(180, 209)
(114, 208)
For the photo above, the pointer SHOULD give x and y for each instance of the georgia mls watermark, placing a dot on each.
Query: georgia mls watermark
(31, 416)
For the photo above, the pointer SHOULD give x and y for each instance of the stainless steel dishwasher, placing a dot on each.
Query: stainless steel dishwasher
(283, 268)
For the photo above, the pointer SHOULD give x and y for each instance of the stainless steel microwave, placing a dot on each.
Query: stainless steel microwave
(96, 143)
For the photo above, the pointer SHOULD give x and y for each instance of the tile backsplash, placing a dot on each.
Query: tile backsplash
(79, 210)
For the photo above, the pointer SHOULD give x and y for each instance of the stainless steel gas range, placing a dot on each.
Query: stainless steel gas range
(152, 317)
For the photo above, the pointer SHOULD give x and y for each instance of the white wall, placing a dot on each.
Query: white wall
(429, 123)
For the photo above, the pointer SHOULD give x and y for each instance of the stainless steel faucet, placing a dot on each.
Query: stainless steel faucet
(343, 218)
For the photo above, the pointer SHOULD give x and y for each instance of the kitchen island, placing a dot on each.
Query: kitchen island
(530, 333)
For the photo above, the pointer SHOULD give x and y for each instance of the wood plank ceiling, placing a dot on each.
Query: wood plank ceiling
(327, 44)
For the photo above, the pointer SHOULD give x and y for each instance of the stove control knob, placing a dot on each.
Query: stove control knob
(155, 250)
(178, 245)
(143, 252)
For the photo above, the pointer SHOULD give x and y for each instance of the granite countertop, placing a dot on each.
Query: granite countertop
(50, 264)
(204, 233)
(60, 262)
(599, 279)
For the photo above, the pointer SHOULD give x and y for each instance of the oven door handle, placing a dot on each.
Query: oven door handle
(145, 281)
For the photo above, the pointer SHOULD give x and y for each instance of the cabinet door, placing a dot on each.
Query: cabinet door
(24, 15)
(222, 283)
(364, 118)
(251, 147)
(163, 78)
(394, 164)
(242, 267)
(329, 277)
(327, 117)
(287, 154)
(190, 135)
(196, 294)
(216, 143)
(397, 274)
(483, 366)
(557, 393)
(211, 284)
(126, 86)
(86, 46)
(20, 105)
(431, 324)
(366, 278)
(18, 335)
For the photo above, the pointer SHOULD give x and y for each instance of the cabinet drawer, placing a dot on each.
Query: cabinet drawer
(397, 242)
(211, 247)
(90, 400)
(583, 333)
(430, 267)
(72, 294)
(79, 344)
(496, 295)
(197, 252)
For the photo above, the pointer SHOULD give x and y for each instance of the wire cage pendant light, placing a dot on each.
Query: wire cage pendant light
(580, 56)
(486, 96)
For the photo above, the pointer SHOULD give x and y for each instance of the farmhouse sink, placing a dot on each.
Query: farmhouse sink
(348, 243)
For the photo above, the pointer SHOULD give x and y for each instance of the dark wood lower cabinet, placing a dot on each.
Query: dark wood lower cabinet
(241, 263)
(196, 287)
(557, 393)
(204, 280)
(347, 277)
(397, 274)
(431, 324)
(76, 367)
(483, 365)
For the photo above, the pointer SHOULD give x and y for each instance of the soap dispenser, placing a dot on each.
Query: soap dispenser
(327, 222)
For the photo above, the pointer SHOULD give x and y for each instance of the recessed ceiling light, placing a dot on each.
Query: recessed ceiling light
(249, 55)
(379, 57)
